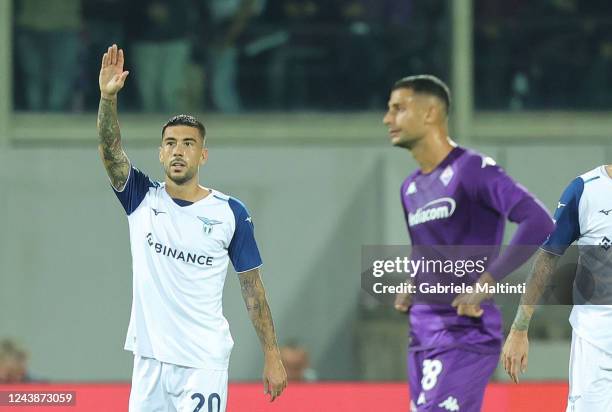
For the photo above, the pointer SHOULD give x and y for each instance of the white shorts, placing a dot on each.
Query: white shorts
(164, 387)
(590, 378)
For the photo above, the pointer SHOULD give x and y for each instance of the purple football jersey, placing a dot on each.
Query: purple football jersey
(464, 201)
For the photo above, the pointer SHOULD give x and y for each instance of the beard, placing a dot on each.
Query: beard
(406, 143)
(181, 179)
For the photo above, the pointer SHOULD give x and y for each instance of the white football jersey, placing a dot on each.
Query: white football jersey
(180, 255)
(584, 216)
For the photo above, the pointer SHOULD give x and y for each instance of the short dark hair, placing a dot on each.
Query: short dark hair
(185, 120)
(426, 84)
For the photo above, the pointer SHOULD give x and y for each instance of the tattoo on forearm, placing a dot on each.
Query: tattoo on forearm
(259, 311)
(115, 160)
(523, 318)
(537, 283)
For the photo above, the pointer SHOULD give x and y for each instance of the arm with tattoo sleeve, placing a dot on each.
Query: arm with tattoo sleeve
(112, 78)
(113, 156)
(516, 349)
(255, 299)
(274, 376)
(543, 268)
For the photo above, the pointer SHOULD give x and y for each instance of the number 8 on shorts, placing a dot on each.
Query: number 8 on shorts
(431, 369)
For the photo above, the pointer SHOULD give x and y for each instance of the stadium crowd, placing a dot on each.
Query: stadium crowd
(226, 55)
(238, 55)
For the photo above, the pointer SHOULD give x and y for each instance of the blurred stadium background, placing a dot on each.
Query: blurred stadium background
(292, 93)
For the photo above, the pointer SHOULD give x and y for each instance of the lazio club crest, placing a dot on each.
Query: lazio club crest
(208, 224)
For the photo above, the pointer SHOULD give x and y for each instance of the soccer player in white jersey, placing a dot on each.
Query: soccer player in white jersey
(583, 216)
(182, 236)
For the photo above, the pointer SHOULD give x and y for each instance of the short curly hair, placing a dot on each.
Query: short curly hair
(185, 120)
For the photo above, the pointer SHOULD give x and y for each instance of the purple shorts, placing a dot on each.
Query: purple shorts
(448, 379)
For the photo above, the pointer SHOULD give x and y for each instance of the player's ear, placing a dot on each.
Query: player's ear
(161, 160)
(433, 114)
(204, 156)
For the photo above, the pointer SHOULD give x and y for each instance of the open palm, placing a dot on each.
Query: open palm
(112, 76)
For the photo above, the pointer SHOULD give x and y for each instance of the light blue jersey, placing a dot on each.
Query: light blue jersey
(180, 256)
(584, 216)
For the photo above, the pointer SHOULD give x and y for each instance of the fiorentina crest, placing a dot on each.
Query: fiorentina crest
(208, 224)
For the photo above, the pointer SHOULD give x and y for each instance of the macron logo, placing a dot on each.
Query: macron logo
(442, 208)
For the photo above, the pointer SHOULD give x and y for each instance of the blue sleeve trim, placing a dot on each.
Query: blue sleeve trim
(591, 179)
(135, 190)
(567, 224)
(242, 250)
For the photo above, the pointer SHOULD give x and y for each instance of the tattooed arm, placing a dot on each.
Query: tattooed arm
(274, 376)
(516, 348)
(543, 268)
(112, 79)
(113, 156)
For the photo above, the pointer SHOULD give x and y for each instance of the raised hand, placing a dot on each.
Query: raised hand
(112, 77)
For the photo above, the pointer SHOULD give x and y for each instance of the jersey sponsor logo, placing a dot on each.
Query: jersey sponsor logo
(442, 208)
(209, 224)
(450, 404)
(447, 175)
(249, 219)
(180, 255)
(157, 212)
(605, 212)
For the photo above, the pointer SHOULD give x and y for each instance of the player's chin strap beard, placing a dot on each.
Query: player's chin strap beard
(182, 180)
(178, 182)
(409, 144)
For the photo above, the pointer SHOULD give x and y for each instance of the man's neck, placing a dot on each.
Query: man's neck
(430, 151)
(190, 191)
(609, 170)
